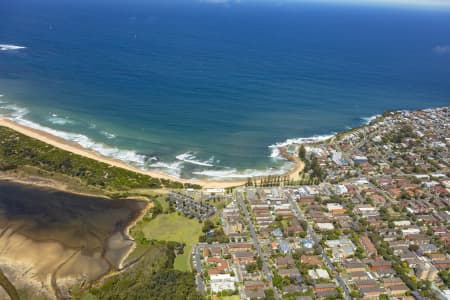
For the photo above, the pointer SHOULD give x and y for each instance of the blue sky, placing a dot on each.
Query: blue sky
(434, 3)
(411, 3)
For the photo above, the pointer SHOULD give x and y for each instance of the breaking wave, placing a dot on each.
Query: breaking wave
(108, 135)
(17, 114)
(58, 120)
(6, 47)
(232, 173)
(368, 120)
(275, 152)
(174, 168)
(189, 157)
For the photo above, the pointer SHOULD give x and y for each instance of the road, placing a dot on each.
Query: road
(198, 268)
(299, 214)
(265, 268)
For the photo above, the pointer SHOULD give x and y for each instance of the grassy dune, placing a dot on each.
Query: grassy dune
(18, 151)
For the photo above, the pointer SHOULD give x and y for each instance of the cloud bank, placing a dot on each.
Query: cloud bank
(413, 3)
(442, 49)
(445, 3)
(220, 1)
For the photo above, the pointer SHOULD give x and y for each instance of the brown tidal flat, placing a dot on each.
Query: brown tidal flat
(50, 240)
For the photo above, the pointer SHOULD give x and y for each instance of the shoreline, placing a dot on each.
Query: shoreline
(77, 149)
(45, 183)
(127, 230)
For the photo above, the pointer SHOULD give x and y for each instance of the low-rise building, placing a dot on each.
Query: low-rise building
(366, 211)
(341, 248)
(222, 282)
(426, 271)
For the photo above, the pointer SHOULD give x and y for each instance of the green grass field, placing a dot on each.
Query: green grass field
(172, 227)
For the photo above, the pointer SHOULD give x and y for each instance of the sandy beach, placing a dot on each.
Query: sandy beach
(77, 149)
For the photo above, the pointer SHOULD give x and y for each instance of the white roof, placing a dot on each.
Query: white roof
(215, 190)
(402, 223)
(362, 181)
(332, 206)
(322, 273)
(327, 226)
(411, 230)
(364, 208)
(215, 277)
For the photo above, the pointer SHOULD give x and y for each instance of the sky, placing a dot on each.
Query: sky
(434, 3)
(411, 3)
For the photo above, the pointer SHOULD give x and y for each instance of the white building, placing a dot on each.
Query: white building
(322, 273)
(214, 191)
(409, 231)
(341, 249)
(362, 181)
(325, 226)
(334, 207)
(402, 223)
(222, 282)
(366, 210)
(444, 295)
(341, 189)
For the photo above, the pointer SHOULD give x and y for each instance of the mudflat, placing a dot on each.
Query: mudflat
(50, 240)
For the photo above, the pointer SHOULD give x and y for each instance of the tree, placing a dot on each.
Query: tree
(207, 226)
(269, 294)
(259, 263)
(302, 152)
(251, 267)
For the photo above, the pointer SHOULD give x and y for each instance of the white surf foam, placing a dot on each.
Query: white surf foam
(368, 120)
(13, 111)
(232, 173)
(108, 135)
(275, 152)
(17, 114)
(190, 157)
(173, 169)
(58, 120)
(6, 47)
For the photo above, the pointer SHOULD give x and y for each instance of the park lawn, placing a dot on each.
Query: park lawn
(177, 228)
(182, 261)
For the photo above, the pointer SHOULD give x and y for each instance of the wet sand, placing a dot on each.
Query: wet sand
(50, 240)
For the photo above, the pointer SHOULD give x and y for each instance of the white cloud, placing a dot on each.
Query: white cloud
(220, 1)
(424, 3)
(416, 3)
(444, 49)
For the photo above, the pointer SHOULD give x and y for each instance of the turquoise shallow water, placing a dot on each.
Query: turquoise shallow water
(202, 90)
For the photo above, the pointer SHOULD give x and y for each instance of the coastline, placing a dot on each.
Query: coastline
(77, 149)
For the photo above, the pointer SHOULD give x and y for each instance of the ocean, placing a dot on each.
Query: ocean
(205, 89)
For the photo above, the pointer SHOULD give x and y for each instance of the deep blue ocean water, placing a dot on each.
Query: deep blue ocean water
(200, 89)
